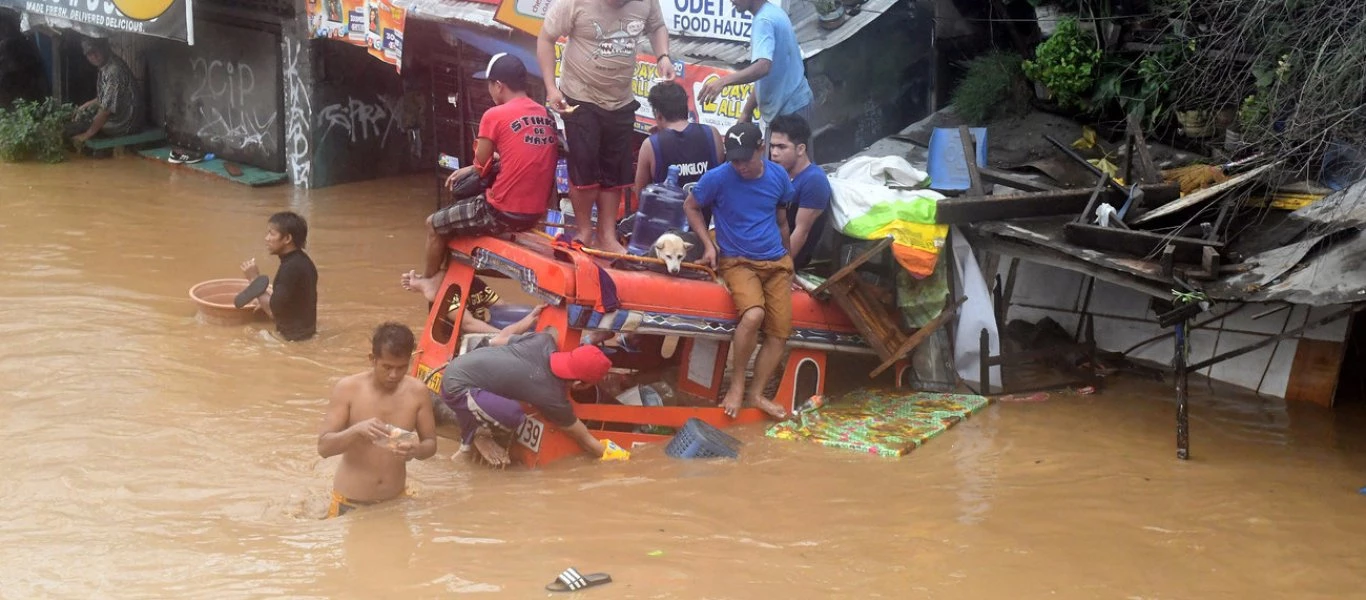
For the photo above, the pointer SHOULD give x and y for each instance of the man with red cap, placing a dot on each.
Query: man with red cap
(528, 368)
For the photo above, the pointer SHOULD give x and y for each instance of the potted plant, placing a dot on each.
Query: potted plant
(1048, 13)
(1066, 64)
(829, 12)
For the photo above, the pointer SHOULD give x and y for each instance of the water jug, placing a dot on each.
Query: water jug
(661, 209)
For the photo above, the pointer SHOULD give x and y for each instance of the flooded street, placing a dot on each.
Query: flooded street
(149, 456)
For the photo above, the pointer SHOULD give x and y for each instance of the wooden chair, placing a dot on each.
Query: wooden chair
(873, 315)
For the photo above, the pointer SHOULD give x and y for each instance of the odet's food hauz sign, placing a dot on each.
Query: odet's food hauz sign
(716, 19)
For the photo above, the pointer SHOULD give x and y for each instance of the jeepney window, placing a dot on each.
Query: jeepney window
(448, 304)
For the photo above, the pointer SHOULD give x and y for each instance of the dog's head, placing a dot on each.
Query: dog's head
(671, 249)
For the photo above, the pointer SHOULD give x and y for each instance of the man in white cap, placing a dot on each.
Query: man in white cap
(523, 135)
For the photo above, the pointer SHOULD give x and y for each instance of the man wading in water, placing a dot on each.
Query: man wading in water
(294, 302)
(361, 419)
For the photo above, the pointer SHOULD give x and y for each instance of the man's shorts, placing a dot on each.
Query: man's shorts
(602, 148)
(475, 408)
(341, 505)
(763, 283)
(473, 217)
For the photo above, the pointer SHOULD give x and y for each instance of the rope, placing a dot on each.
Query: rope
(631, 257)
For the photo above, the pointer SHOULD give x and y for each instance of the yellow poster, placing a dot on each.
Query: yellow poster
(523, 15)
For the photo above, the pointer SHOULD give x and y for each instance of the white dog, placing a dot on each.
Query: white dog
(673, 250)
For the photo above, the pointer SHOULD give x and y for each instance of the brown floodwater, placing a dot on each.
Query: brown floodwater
(146, 455)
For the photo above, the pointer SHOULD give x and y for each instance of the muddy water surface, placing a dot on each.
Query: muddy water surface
(146, 455)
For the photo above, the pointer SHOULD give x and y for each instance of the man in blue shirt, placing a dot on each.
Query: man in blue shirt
(776, 66)
(789, 136)
(749, 197)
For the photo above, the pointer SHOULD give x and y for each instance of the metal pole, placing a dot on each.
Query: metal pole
(1182, 410)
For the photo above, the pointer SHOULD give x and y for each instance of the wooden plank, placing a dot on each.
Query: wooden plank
(967, 209)
(1205, 195)
(970, 156)
(1015, 181)
(1147, 170)
(1314, 371)
(853, 264)
(919, 336)
(1142, 244)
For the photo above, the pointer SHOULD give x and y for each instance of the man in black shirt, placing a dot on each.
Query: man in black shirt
(294, 301)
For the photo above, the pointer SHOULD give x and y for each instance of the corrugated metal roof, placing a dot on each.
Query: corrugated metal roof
(810, 36)
(453, 11)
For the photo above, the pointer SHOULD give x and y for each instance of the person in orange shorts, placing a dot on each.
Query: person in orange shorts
(377, 420)
(749, 197)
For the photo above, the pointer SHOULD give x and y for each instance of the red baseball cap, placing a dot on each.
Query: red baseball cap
(585, 363)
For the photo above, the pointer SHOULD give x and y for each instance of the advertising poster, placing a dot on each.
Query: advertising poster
(376, 25)
(173, 19)
(722, 113)
(523, 15)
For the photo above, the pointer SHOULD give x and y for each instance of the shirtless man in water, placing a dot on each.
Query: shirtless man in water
(359, 420)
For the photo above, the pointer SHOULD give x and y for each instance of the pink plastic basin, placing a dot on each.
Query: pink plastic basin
(214, 298)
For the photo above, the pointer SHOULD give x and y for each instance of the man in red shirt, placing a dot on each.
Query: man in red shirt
(523, 135)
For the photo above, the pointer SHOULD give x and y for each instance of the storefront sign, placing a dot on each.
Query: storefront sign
(375, 24)
(721, 113)
(172, 19)
(523, 15)
(714, 19)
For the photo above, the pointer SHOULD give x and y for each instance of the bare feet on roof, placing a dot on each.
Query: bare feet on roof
(734, 398)
(416, 283)
(769, 407)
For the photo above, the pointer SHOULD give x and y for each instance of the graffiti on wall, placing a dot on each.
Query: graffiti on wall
(362, 121)
(298, 124)
(222, 95)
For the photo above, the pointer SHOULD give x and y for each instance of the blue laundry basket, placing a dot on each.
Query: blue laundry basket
(698, 439)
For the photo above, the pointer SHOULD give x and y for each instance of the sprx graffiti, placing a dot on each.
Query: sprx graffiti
(362, 121)
(227, 116)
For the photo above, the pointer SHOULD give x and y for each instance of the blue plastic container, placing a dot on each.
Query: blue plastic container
(661, 209)
(698, 439)
(948, 171)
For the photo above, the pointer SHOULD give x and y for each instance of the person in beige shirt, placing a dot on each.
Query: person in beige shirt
(594, 98)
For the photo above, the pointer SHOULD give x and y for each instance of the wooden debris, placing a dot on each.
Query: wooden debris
(1204, 195)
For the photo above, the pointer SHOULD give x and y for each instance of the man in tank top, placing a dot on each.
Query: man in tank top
(692, 147)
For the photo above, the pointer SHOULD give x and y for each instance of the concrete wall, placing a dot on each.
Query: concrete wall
(874, 83)
(222, 95)
(1302, 368)
(368, 121)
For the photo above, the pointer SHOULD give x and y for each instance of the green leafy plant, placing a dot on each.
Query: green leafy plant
(993, 86)
(1066, 64)
(34, 131)
(825, 7)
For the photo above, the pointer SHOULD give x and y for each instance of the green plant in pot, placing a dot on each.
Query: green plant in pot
(1066, 64)
(994, 86)
(830, 13)
(34, 131)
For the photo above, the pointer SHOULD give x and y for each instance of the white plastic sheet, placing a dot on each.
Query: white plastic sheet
(974, 315)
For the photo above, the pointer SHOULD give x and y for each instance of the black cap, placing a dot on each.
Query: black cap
(503, 67)
(742, 141)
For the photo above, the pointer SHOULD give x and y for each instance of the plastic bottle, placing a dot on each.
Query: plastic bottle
(661, 209)
(397, 435)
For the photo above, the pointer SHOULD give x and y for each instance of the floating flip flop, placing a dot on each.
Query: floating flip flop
(254, 290)
(572, 581)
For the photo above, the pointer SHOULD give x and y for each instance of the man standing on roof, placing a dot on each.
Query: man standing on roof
(789, 136)
(523, 135)
(776, 66)
(750, 196)
(594, 97)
